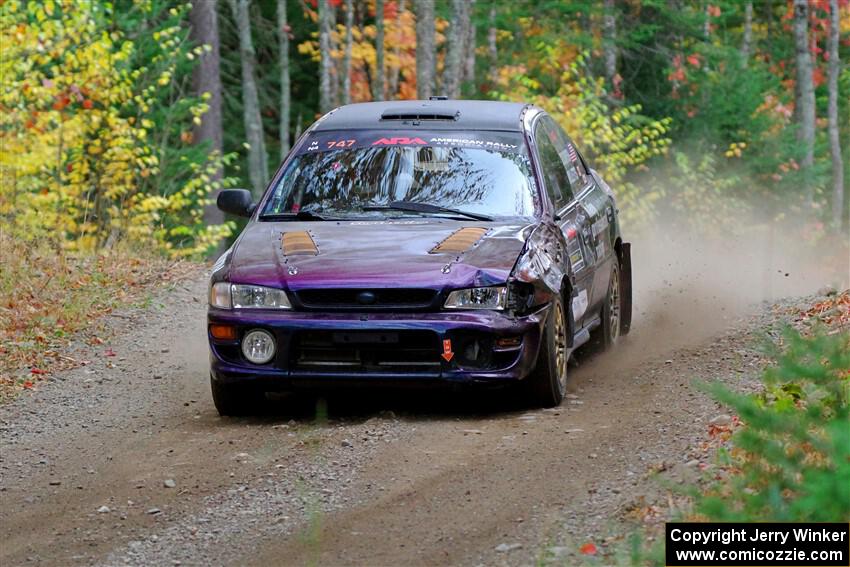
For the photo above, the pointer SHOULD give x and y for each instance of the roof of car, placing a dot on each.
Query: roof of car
(432, 114)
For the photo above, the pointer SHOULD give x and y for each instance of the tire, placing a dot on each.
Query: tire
(236, 400)
(612, 310)
(547, 383)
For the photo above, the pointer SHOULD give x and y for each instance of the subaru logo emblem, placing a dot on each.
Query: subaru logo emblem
(366, 298)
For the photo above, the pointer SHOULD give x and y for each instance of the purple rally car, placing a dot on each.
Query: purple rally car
(420, 242)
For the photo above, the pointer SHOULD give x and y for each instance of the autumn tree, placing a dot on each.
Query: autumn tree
(832, 116)
(325, 95)
(346, 65)
(456, 52)
(285, 87)
(378, 83)
(426, 61)
(258, 168)
(206, 80)
(805, 92)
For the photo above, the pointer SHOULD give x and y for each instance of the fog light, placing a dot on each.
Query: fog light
(258, 346)
(508, 343)
(223, 332)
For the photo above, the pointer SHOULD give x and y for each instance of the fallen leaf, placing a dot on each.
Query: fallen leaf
(588, 549)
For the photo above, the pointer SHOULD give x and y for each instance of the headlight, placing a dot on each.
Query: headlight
(478, 298)
(225, 296)
(258, 346)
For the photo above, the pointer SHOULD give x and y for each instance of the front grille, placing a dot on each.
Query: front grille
(363, 298)
(365, 351)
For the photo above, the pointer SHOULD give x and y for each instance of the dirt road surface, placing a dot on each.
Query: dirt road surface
(124, 461)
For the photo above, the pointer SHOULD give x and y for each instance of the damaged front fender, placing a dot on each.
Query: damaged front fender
(542, 264)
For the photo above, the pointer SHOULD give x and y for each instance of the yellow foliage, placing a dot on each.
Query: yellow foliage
(73, 158)
(615, 139)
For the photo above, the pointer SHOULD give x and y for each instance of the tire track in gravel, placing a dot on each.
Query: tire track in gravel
(442, 480)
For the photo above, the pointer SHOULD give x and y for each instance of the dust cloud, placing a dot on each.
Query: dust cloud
(691, 284)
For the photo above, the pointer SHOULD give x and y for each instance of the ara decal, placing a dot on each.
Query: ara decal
(400, 141)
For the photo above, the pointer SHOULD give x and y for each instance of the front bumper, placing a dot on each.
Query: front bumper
(316, 350)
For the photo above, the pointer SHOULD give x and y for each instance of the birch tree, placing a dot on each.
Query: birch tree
(285, 90)
(325, 103)
(746, 47)
(396, 70)
(805, 91)
(456, 51)
(206, 79)
(425, 55)
(609, 31)
(378, 84)
(492, 47)
(258, 168)
(346, 64)
(469, 63)
(832, 115)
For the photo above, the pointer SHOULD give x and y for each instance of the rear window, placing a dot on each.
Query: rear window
(341, 172)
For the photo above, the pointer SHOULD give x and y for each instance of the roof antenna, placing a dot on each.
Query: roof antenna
(438, 97)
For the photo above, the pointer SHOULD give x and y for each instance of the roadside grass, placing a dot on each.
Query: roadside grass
(786, 455)
(50, 297)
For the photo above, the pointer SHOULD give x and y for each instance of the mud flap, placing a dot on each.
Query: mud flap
(626, 287)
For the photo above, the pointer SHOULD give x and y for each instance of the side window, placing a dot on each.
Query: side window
(576, 172)
(554, 172)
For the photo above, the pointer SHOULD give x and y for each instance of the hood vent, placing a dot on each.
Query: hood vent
(459, 241)
(298, 244)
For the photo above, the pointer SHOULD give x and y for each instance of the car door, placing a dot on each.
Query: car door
(598, 204)
(570, 215)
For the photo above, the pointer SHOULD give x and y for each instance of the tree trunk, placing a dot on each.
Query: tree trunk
(492, 47)
(206, 79)
(469, 63)
(378, 85)
(806, 90)
(325, 103)
(609, 32)
(832, 114)
(454, 55)
(748, 33)
(258, 167)
(285, 91)
(426, 59)
(396, 71)
(346, 64)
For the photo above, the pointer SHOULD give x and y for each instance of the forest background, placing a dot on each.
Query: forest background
(119, 121)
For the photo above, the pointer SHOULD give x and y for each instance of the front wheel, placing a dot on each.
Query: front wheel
(547, 383)
(236, 400)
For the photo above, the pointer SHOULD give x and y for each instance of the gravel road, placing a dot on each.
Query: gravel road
(124, 461)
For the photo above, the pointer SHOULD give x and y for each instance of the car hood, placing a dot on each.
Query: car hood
(433, 253)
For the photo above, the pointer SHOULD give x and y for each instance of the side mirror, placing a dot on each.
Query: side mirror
(236, 202)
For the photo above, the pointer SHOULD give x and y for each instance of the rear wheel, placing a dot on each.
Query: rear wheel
(547, 383)
(612, 310)
(236, 400)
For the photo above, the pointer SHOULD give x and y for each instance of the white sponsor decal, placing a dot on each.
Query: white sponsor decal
(467, 142)
(579, 304)
(599, 226)
(360, 223)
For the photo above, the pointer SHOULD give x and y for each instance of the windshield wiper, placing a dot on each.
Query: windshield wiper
(424, 208)
(300, 215)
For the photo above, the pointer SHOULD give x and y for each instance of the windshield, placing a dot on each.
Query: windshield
(343, 173)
